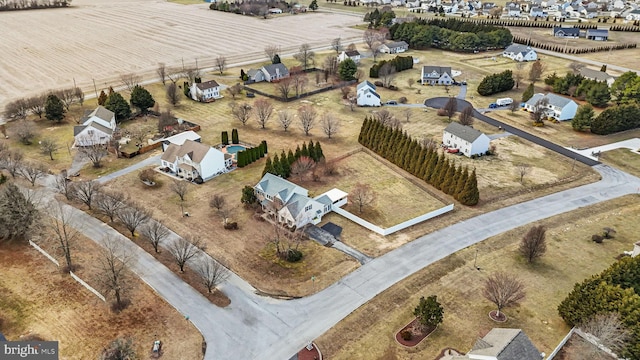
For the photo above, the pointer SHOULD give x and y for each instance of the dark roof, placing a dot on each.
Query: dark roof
(597, 32)
(2, 338)
(366, 84)
(506, 344)
(332, 229)
(351, 53)
(463, 132)
(520, 348)
(207, 85)
(78, 129)
(567, 30)
(397, 44)
(439, 69)
(271, 69)
(518, 49)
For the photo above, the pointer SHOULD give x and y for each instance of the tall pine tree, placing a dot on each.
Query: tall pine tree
(286, 167)
(460, 183)
(268, 167)
(470, 196)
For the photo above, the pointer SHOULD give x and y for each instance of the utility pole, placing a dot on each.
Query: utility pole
(94, 87)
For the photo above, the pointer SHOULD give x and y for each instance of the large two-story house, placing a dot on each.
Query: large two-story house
(366, 95)
(557, 107)
(206, 91)
(97, 128)
(466, 139)
(436, 75)
(520, 53)
(193, 160)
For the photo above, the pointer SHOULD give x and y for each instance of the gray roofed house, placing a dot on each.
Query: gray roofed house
(597, 34)
(205, 91)
(273, 72)
(566, 32)
(519, 52)
(466, 139)
(504, 344)
(273, 187)
(101, 113)
(193, 159)
(558, 107)
(97, 127)
(366, 94)
(394, 47)
(436, 75)
(597, 75)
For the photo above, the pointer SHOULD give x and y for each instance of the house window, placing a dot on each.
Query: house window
(307, 208)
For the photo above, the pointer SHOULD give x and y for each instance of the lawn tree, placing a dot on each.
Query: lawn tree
(165, 120)
(12, 161)
(234, 90)
(429, 312)
(241, 111)
(86, 191)
(248, 196)
(65, 235)
(407, 114)
(307, 115)
(386, 118)
(191, 74)
(305, 56)
(336, 45)
(142, 99)
(276, 59)
(102, 98)
(161, 70)
(119, 349)
(518, 74)
(130, 81)
(116, 103)
(608, 233)
(410, 82)
(362, 195)
(155, 232)
(522, 170)
(221, 64)
(539, 112)
(25, 131)
(36, 104)
(330, 67)
(503, 290)
(263, 109)
(271, 51)
(347, 70)
(180, 188)
(466, 116)
(299, 79)
(18, 212)
(184, 250)
(536, 70)
(110, 203)
(352, 100)
(64, 186)
(451, 107)
(17, 109)
(172, 93)
(113, 275)
(285, 117)
(330, 124)
(78, 94)
(610, 331)
(514, 106)
(302, 166)
(54, 108)
(283, 86)
(371, 38)
(386, 73)
(345, 91)
(69, 96)
(211, 273)
(48, 146)
(533, 244)
(217, 202)
(32, 172)
(174, 74)
(132, 216)
(94, 153)
(583, 118)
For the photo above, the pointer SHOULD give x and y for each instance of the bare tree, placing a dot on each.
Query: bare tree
(330, 67)
(155, 232)
(407, 114)
(305, 55)
(174, 74)
(221, 64)
(86, 191)
(283, 86)
(286, 118)
(114, 276)
(17, 109)
(514, 106)
(352, 99)
(466, 116)
(336, 45)
(362, 195)
(299, 79)
(387, 119)
(64, 186)
(539, 112)
(32, 172)
(330, 124)
(173, 95)
(191, 74)
(36, 104)
(410, 82)
(609, 330)
(263, 109)
(12, 161)
(110, 203)
(386, 73)
(271, 51)
(79, 95)
(165, 120)
(307, 115)
(518, 74)
(95, 153)
(576, 67)
(130, 80)
(49, 146)
(537, 68)
(162, 73)
(503, 290)
(451, 107)
(241, 111)
(234, 90)
(217, 202)
(533, 244)
(372, 39)
(65, 235)
(180, 188)
(25, 131)
(212, 273)
(133, 216)
(522, 170)
(184, 250)
(301, 166)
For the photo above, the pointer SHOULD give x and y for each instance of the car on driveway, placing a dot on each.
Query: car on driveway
(392, 102)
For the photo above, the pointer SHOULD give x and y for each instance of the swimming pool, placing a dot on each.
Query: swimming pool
(233, 149)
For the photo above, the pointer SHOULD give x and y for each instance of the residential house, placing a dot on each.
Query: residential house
(597, 34)
(291, 203)
(597, 75)
(97, 127)
(436, 75)
(465, 138)
(634, 15)
(566, 32)
(205, 91)
(366, 94)
(503, 344)
(394, 47)
(537, 12)
(558, 107)
(179, 139)
(275, 11)
(270, 73)
(520, 53)
(193, 160)
(349, 54)
(513, 9)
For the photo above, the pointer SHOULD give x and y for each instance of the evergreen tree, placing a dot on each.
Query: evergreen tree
(276, 59)
(240, 159)
(347, 70)
(286, 167)
(264, 146)
(319, 152)
(305, 150)
(298, 152)
(598, 94)
(268, 167)
(312, 151)
(363, 131)
(260, 151)
(142, 99)
(470, 196)
(225, 138)
(460, 183)
(277, 166)
(442, 174)
(242, 75)
(234, 136)
(102, 98)
(432, 170)
(449, 184)
(314, 5)
(583, 117)
(116, 103)
(290, 158)
(528, 93)
(54, 108)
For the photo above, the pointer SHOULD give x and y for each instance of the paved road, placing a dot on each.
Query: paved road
(441, 101)
(631, 144)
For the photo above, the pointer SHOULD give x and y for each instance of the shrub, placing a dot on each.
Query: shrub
(402, 100)
(378, 83)
(495, 83)
(231, 226)
(597, 238)
(393, 87)
(406, 335)
(293, 255)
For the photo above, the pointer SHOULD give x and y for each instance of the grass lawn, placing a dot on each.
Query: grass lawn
(571, 256)
(622, 159)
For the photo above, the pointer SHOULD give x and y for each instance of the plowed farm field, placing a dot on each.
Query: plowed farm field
(97, 40)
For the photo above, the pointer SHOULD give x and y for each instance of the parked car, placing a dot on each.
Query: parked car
(493, 106)
(392, 102)
(251, 95)
(453, 151)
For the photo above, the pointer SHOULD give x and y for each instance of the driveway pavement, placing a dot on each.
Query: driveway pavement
(631, 144)
(154, 160)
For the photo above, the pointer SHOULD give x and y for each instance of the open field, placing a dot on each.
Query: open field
(571, 256)
(36, 298)
(622, 159)
(544, 35)
(167, 33)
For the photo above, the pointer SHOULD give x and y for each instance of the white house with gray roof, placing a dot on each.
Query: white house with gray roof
(597, 76)
(366, 94)
(193, 159)
(292, 204)
(206, 91)
(394, 47)
(270, 73)
(97, 128)
(466, 139)
(558, 107)
(436, 75)
(503, 344)
(520, 53)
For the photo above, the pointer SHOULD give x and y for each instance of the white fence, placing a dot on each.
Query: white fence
(394, 228)
(559, 347)
(83, 283)
(44, 252)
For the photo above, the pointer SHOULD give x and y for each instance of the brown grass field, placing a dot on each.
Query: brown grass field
(571, 256)
(622, 159)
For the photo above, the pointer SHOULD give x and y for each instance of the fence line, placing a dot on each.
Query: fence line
(35, 246)
(83, 283)
(561, 344)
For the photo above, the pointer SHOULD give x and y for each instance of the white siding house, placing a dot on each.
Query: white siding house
(349, 54)
(206, 91)
(193, 159)
(465, 138)
(558, 107)
(520, 53)
(394, 47)
(97, 128)
(436, 75)
(366, 94)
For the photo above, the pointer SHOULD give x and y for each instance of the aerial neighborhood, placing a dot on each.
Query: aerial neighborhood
(366, 179)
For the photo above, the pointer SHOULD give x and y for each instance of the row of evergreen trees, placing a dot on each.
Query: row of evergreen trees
(399, 63)
(281, 165)
(495, 83)
(569, 50)
(234, 137)
(525, 23)
(425, 163)
(246, 157)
